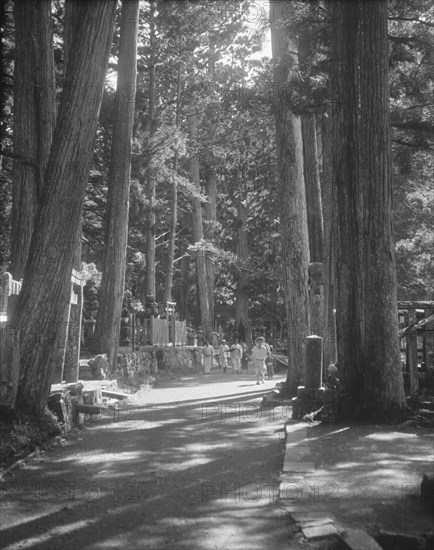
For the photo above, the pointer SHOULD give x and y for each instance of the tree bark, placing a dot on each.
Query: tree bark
(198, 229)
(172, 233)
(34, 120)
(210, 208)
(47, 279)
(184, 286)
(313, 188)
(174, 206)
(367, 314)
(116, 232)
(210, 214)
(293, 216)
(242, 285)
(73, 338)
(150, 232)
(67, 329)
(328, 189)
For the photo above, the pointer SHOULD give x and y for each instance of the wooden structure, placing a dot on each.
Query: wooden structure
(9, 352)
(416, 322)
(8, 287)
(77, 284)
(164, 332)
(162, 329)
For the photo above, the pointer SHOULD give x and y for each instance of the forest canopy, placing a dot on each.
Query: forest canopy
(228, 196)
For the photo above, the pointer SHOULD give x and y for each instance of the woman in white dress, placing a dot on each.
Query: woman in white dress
(259, 354)
(208, 355)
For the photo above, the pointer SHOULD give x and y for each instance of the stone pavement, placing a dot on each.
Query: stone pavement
(345, 484)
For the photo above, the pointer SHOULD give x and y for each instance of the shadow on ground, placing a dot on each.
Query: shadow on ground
(184, 467)
(367, 477)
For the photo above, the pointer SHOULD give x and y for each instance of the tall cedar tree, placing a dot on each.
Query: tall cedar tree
(34, 120)
(197, 226)
(313, 188)
(367, 316)
(47, 279)
(152, 183)
(70, 359)
(116, 234)
(242, 296)
(293, 216)
(210, 207)
(174, 206)
(329, 243)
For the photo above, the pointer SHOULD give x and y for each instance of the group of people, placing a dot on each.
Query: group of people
(240, 355)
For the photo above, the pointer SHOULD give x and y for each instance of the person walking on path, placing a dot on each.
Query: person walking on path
(236, 355)
(269, 363)
(223, 355)
(259, 354)
(208, 356)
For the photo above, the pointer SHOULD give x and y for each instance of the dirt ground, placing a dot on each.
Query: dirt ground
(196, 464)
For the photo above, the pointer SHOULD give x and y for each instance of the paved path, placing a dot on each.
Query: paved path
(194, 466)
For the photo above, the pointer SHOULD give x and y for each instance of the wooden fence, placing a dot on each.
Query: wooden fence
(416, 320)
(180, 333)
(156, 331)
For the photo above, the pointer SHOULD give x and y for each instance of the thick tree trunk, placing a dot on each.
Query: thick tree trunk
(72, 21)
(172, 234)
(184, 285)
(367, 316)
(72, 24)
(210, 209)
(116, 234)
(47, 279)
(198, 229)
(293, 216)
(210, 214)
(313, 188)
(73, 340)
(34, 120)
(328, 189)
(174, 207)
(242, 285)
(152, 189)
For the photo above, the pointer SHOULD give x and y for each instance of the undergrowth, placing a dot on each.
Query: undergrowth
(21, 435)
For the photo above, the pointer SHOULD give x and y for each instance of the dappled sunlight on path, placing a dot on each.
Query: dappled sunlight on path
(192, 465)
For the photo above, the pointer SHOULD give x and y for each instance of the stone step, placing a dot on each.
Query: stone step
(356, 539)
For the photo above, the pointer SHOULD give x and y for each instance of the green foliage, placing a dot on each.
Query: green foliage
(236, 138)
(91, 273)
(411, 32)
(21, 435)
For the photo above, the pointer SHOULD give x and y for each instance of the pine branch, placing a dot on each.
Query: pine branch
(412, 19)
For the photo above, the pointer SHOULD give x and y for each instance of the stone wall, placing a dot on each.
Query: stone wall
(139, 367)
